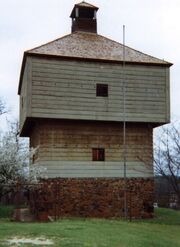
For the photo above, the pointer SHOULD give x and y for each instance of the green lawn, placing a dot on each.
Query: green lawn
(163, 231)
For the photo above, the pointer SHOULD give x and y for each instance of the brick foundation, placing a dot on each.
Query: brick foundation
(94, 197)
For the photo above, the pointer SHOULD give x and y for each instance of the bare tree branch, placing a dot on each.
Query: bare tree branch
(167, 156)
(3, 108)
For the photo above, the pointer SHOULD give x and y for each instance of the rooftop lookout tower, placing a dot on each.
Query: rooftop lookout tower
(84, 18)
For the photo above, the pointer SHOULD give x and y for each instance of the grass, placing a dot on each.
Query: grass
(162, 231)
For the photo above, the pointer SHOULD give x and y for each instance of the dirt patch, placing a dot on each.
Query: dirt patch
(35, 241)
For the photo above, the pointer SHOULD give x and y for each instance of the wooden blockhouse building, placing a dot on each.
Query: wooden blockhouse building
(72, 109)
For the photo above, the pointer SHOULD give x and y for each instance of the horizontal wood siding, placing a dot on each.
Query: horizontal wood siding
(107, 169)
(65, 149)
(67, 90)
(25, 94)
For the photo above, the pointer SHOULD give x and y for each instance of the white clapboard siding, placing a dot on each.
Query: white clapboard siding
(67, 90)
(94, 169)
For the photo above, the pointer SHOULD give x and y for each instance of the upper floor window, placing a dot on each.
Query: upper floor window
(102, 90)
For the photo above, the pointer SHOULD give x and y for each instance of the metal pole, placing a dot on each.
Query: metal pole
(124, 127)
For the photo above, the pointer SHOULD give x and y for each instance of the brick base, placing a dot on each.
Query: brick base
(94, 197)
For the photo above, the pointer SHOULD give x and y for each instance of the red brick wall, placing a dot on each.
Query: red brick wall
(94, 197)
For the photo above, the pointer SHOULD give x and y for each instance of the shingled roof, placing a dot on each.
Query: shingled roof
(85, 4)
(85, 45)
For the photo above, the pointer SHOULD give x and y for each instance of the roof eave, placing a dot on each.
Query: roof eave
(166, 64)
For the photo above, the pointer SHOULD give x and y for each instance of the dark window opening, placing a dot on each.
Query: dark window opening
(98, 154)
(86, 13)
(102, 90)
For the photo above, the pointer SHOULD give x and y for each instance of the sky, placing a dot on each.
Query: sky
(151, 27)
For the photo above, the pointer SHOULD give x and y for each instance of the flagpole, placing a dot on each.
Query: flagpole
(124, 128)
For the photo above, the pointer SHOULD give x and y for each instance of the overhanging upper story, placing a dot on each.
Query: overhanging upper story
(81, 77)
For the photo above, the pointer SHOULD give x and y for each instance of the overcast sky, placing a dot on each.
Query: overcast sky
(152, 26)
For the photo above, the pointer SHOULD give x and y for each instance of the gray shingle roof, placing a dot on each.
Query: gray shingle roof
(85, 4)
(93, 46)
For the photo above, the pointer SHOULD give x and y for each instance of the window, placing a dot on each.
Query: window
(98, 154)
(102, 90)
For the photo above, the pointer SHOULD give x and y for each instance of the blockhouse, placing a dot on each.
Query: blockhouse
(72, 109)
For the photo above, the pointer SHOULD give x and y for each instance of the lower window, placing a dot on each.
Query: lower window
(98, 154)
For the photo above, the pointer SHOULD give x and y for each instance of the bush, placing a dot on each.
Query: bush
(6, 211)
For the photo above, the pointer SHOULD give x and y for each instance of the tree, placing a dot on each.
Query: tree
(3, 108)
(14, 161)
(167, 157)
(15, 158)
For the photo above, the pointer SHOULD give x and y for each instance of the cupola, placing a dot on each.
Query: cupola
(84, 17)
